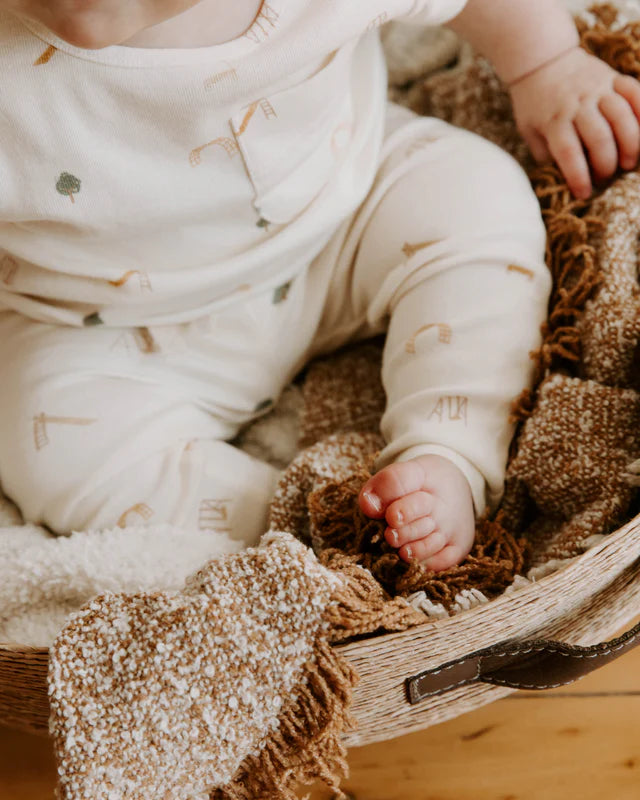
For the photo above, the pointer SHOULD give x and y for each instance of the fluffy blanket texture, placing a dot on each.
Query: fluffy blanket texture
(226, 686)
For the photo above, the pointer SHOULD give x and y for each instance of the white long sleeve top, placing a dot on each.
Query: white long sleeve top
(141, 186)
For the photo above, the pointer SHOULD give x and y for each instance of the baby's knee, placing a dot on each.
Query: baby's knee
(46, 487)
(495, 191)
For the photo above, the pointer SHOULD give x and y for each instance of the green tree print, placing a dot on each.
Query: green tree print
(281, 293)
(263, 405)
(92, 319)
(68, 184)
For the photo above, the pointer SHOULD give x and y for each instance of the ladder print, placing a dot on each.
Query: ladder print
(229, 145)
(143, 280)
(125, 341)
(264, 105)
(41, 421)
(141, 510)
(45, 57)
(411, 249)
(139, 340)
(8, 269)
(378, 22)
(522, 270)
(421, 144)
(263, 25)
(218, 77)
(267, 109)
(444, 335)
(145, 341)
(451, 408)
(213, 515)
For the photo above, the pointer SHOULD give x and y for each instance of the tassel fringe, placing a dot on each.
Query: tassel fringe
(307, 746)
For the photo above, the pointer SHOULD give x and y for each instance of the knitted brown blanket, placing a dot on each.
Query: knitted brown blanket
(229, 688)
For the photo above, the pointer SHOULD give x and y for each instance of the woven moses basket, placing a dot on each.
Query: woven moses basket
(445, 667)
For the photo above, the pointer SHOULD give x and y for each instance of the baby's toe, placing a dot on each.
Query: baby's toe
(390, 484)
(411, 532)
(420, 548)
(449, 556)
(409, 508)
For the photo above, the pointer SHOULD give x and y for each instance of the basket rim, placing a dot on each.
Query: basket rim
(531, 592)
(534, 588)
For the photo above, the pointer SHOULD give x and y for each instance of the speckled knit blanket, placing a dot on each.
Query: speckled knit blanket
(230, 687)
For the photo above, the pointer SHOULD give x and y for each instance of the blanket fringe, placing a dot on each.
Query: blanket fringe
(620, 48)
(571, 257)
(307, 746)
(571, 227)
(345, 540)
(363, 607)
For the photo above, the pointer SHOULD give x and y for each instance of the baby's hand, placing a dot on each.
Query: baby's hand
(574, 102)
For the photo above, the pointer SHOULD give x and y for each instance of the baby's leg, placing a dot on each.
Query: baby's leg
(97, 432)
(451, 250)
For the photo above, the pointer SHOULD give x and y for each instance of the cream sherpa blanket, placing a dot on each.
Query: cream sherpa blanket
(43, 578)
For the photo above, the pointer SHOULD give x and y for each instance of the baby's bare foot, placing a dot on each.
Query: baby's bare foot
(428, 508)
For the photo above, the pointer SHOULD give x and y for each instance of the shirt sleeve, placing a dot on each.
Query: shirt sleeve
(434, 12)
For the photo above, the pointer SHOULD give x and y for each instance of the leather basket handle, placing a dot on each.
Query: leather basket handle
(527, 664)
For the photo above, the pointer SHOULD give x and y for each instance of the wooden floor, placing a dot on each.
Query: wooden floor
(581, 742)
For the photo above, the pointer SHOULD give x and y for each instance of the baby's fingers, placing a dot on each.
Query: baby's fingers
(566, 148)
(624, 124)
(629, 88)
(537, 145)
(595, 131)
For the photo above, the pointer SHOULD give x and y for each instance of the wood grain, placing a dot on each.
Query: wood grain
(579, 741)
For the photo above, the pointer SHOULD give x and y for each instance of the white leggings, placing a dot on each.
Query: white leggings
(111, 426)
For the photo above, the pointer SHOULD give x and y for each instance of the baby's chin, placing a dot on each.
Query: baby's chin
(99, 27)
(98, 32)
(96, 42)
(90, 37)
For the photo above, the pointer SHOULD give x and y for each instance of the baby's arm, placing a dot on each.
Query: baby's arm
(564, 99)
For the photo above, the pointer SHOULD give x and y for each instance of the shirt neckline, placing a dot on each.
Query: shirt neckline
(149, 57)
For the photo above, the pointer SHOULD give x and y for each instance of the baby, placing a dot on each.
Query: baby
(198, 197)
